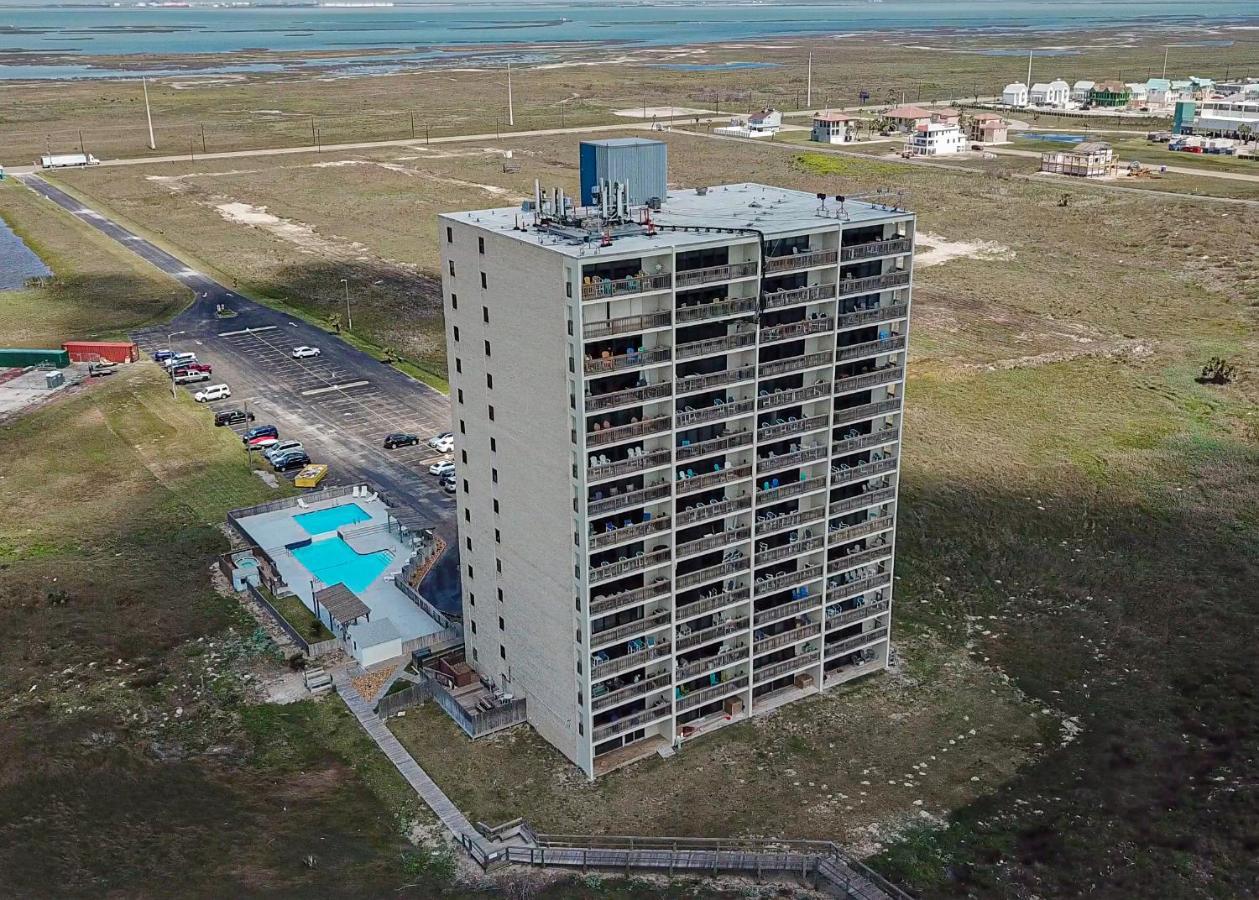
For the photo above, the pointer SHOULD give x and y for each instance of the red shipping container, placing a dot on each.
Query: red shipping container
(101, 351)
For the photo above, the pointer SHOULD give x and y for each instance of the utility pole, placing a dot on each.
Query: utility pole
(148, 113)
(203, 140)
(349, 323)
(169, 338)
(511, 112)
(1029, 69)
(412, 123)
(1166, 50)
(808, 94)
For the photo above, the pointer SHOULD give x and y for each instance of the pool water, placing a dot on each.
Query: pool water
(1052, 136)
(321, 521)
(333, 561)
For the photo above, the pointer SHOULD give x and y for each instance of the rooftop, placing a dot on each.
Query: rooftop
(908, 112)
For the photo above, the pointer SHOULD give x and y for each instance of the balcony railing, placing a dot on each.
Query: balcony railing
(776, 265)
(783, 610)
(713, 413)
(870, 348)
(867, 316)
(709, 694)
(774, 432)
(716, 445)
(814, 292)
(786, 551)
(865, 441)
(768, 464)
(626, 361)
(711, 573)
(708, 604)
(848, 616)
(625, 566)
(630, 660)
(720, 309)
(716, 345)
(786, 666)
(627, 466)
(859, 530)
(699, 638)
(886, 375)
(631, 532)
(856, 560)
(633, 395)
(774, 642)
(692, 277)
(790, 579)
(797, 329)
(875, 248)
(850, 286)
(850, 414)
(795, 395)
(691, 383)
(791, 520)
(617, 697)
(840, 477)
(628, 630)
(627, 432)
(857, 640)
(712, 479)
(714, 541)
(857, 588)
(601, 606)
(869, 498)
(631, 498)
(795, 363)
(791, 489)
(713, 510)
(711, 663)
(660, 711)
(626, 324)
(599, 289)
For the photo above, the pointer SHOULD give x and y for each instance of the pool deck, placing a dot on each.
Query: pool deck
(274, 531)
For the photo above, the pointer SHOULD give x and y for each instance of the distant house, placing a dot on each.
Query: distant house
(764, 124)
(934, 139)
(987, 128)
(1080, 91)
(1109, 95)
(1014, 94)
(1159, 93)
(833, 128)
(1139, 95)
(1091, 159)
(907, 118)
(1055, 94)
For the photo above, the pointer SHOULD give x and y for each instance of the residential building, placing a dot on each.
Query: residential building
(1236, 116)
(833, 128)
(935, 139)
(677, 449)
(1014, 94)
(1159, 93)
(764, 124)
(1090, 159)
(1055, 94)
(1080, 91)
(1139, 95)
(906, 118)
(1109, 94)
(987, 128)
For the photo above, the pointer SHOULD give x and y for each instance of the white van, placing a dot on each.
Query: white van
(213, 392)
(179, 359)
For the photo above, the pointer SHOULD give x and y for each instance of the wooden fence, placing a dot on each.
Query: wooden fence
(480, 723)
(315, 650)
(410, 696)
(415, 597)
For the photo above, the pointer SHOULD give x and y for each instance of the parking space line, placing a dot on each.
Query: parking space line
(247, 331)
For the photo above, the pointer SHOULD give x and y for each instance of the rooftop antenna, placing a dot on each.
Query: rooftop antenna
(808, 93)
(148, 114)
(537, 199)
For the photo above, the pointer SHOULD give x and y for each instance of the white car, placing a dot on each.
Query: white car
(213, 392)
(445, 445)
(305, 352)
(282, 447)
(179, 359)
(441, 468)
(438, 438)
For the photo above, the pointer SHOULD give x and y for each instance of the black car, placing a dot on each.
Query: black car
(401, 439)
(259, 431)
(232, 417)
(289, 461)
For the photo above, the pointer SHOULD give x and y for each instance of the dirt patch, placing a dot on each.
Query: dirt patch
(933, 249)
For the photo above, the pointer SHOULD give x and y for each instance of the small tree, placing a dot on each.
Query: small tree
(334, 322)
(1217, 371)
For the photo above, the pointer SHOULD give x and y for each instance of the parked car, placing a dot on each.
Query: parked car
(178, 359)
(213, 392)
(194, 367)
(445, 445)
(400, 439)
(263, 442)
(438, 438)
(281, 447)
(257, 431)
(441, 468)
(184, 376)
(305, 352)
(232, 417)
(96, 370)
(287, 461)
(449, 487)
(160, 355)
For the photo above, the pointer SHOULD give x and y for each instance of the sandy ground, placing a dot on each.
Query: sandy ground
(933, 249)
(662, 112)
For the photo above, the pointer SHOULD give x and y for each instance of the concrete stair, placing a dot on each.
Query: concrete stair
(317, 680)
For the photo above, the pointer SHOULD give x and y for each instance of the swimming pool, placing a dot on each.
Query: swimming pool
(333, 561)
(321, 521)
(1053, 136)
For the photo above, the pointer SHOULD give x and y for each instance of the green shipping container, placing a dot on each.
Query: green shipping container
(21, 357)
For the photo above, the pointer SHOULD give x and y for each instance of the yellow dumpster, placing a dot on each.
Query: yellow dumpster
(310, 476)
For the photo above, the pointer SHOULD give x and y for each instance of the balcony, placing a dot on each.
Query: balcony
(628, 630)
(785, 610)
(869, 498)
(711, 664)
(713, 274)
(709, 694)
(834, 649)
(716, 345)
(795, 363)
(791, 489)
(691, 383)
(886, 375)
(791, 520)
(850, 286)
(630, 532)
(631, 396)
(599, 289)
(712, 479)
(880, 553)
(878, 438)
(841, 476)
(630, 660)
(778, 641)
(851, 414)
(714, 541)
(715, 445)
(720, 309)
(776, 432)
(660, 711)
(787, 551)
(870, 348)
(772, 463)
(626, 566)
(861, 529)
(857, 588)
(892, 247)
(797, 329)
(707, 635)
(630, 360)
(620, 433)
(714, 413)
(606, 505)
(766, 586)
(793, 396)
(709, 604)
(777, 265)
(721, 570)
(617, 697)
(795, 296)
(870, 316)
(639, 463)
(626, 325)
(602, 606)
(714, 510)
(848, 616)
(786, 666)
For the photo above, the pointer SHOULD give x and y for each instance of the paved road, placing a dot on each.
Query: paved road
(340, 404)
